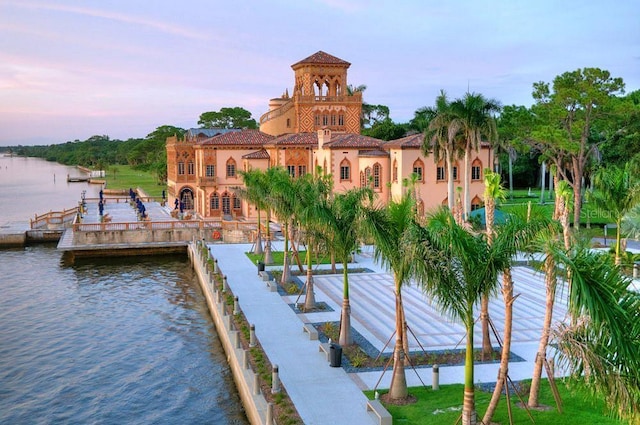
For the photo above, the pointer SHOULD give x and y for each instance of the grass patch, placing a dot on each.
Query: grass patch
(278, 258)
(125, 177)
(445, 406)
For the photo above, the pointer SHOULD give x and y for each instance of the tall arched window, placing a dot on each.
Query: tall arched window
(377, 175)
(231, 167)
(226, 203)
(476, 170)
(418, 170)
(476, 203)
(345, 170)
(441, 174)
(215, 202)
(395, 171)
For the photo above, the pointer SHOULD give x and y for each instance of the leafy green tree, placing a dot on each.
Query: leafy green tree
(235, 117)
(385, 130)
(514, 126)
(567, 111)
(616, 191)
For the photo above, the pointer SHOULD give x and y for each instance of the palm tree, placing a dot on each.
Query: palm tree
(474, 118)
(441, 138)
(455, 267)
(513, 236)
(254, 192)
(492, 191)
(342, 218)
(616, 192)
(312, 193)
(387, 226)
(282, 200)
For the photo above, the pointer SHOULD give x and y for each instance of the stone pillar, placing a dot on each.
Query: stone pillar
(275, 380)
(225, 286)
(245, 359)
(435, 381)
(269, 418)
(252, 336)
(236, 307)
(256, 384)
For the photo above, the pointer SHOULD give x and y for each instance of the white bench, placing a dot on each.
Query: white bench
(384, 417)
(325, 347)
(311, 330)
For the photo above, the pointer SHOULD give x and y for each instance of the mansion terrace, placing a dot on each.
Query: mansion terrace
(318, 126)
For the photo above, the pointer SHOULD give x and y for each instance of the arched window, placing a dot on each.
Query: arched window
(186, 197)
(226, 203)
(367, 176)
(231, 168)
(395, 171)
(237, 203)
(418, 170)
(441, 174)
(345, 170)
(456, 174)
(215, 202)
(476, 170)
(377, 175)
(190, 168)
(476, 203)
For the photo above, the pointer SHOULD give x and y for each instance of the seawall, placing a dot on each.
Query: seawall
(255, 405)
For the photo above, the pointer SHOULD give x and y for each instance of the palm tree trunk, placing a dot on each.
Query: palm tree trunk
(503, 371)
(258, 248)
(469, 403)
(310, 298)
(286, 272)
(550, 283)
(467, 183)
(398, 389)
(618, 242)
(450, 192)
(487, 349)
(345, 315)
(268, 257)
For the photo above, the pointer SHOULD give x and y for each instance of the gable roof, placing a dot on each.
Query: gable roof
(320, 58)
(353, 141)
(260, 154)
(247, 137)
(296, 139)
(410, 142)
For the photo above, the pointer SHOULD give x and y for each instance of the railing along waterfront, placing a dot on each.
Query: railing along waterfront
(57, 218)
(147, 225)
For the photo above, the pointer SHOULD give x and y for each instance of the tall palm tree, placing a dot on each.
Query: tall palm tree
(455, 267)
(618, 192)
(474, 118)
(387, 226)
(492, 191)
(254, 192)
(311, 192)
(342, 221)
(441, 138)
(282, 200)
(513, 236)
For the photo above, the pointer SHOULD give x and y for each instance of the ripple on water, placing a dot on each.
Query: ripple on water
(108, 342)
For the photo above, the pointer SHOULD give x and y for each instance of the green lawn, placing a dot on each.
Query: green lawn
(278, 258)
(444, 407)
(125, 177)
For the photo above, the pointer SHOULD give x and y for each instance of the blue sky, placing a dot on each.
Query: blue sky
(73, 69)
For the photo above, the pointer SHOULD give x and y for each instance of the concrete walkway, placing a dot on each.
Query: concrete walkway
(320, 391)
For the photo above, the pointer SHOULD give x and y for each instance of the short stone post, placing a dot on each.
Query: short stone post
(236, 307)
(269, 419)
(275, 380)
(215, 266)
(238, 341)
(256, 384)
(252, 336)
(225, 286)
(435, 380)
(245, 359)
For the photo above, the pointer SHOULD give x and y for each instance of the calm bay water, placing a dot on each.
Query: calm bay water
(105, 341)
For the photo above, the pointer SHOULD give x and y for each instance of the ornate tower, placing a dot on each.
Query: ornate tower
(320, 100)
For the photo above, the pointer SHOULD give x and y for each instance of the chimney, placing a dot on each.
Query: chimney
(324, 135)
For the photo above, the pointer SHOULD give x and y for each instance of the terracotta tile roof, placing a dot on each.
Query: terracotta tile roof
(261, 154)
(240, 138)
(373, 153)
(353, 141)
(296, 139)
(321, 57)
(410, 142)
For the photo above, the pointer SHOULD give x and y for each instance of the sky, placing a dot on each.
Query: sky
(73, 69)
